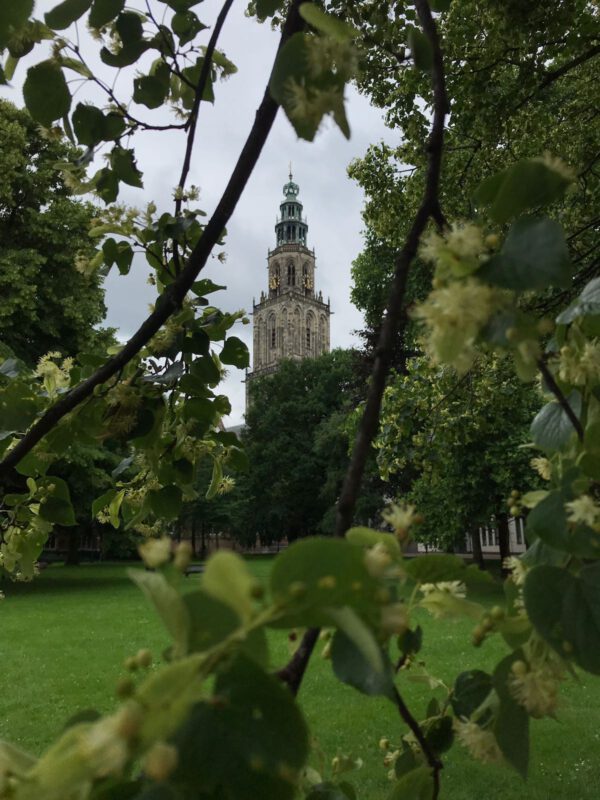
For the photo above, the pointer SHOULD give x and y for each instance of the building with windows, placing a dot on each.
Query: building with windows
(291, 319)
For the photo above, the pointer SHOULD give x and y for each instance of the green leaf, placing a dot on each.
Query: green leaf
(103, 501)
(168, 603)
(470, 690)
(88, 124)
(366, 537)
(410, 641)
(548, 521)
(166, 502)
(186, 26)
(58, 511)
(551, 428)
(292, 74)
(46, 93)
(107, 185)
(228, 579)
(534, 256)
(435, 567)
(587, 304)
(67, 12)
(440, 5)
(13, 16)
(149, 91)
(353, 665)
(235, 352)
(33, 464)
(205, 286)
(326, 23)
(211, 621)
(565, 610)
(114, 126)
(511, 727)
(266, 8)
(124, 166)
(420, 48)
(266, 738)
(415, 785)
(104, 11)
(206, 369)
(526, 185)
(315, 575)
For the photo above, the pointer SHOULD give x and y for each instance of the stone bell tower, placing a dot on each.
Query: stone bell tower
(290, 320)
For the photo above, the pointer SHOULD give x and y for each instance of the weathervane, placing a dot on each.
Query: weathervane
(291, 171)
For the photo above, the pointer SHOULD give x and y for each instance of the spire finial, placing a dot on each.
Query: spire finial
(291, 176)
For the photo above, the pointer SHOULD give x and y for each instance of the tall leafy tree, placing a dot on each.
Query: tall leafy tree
(297, 444)
(49, 303)
(453, 445)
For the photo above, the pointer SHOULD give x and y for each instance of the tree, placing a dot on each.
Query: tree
(49, 304)
(454, 444)
(158, 393)
(297, 444)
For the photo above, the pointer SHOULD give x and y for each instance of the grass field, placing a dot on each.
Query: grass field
(64, 638)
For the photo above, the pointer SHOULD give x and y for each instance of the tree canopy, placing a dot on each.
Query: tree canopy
(50, 302)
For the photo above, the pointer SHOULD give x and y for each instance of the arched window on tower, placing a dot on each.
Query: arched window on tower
(272, 332)
(310, 333)
(322, 334)
(291, 273)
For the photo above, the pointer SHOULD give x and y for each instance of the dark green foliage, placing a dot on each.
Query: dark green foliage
(297, 445)
(48, 305)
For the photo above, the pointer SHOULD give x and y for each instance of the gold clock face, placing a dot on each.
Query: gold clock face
(308, 282)
(273, 282)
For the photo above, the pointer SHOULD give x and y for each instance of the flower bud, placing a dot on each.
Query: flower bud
(144, 658)
(384, 744)
(492, 240)
(297, 590)
(160, 761)
(125, 688)
(183, 556)
(327, 582)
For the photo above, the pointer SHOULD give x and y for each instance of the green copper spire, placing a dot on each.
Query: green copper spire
(290, 227)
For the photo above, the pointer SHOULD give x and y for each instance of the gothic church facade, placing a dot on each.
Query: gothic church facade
(291, 320)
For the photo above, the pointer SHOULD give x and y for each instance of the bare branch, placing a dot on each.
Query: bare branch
(193, 118)
(172, 298)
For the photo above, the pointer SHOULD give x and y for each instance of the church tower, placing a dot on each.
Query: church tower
(291, 320)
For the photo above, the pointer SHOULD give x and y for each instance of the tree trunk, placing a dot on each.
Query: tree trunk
(503, 538)
(477, 551)
(72, 554)
(202, 542)
(194, 537)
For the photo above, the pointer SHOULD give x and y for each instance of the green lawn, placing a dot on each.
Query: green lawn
(64, 638)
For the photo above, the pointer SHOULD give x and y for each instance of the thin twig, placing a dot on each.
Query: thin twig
(172, 298)
(193, 118)
(293, 672)
(555, 74)
(432, 760)
(556, 391)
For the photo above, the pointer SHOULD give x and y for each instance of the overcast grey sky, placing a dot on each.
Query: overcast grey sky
(332, 202)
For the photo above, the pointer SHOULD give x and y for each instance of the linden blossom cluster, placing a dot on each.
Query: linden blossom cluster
(54, 376)
(459, 305)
